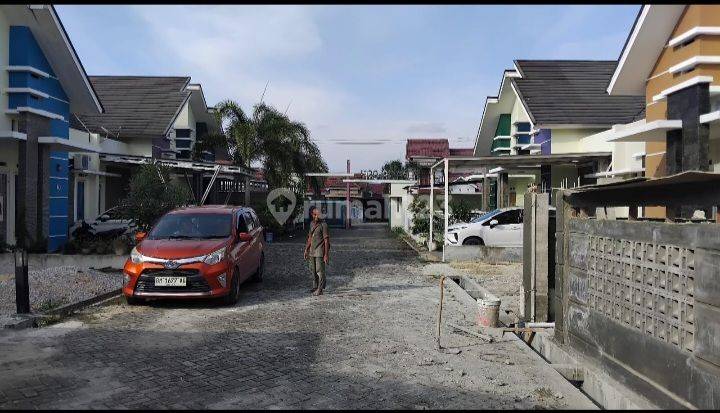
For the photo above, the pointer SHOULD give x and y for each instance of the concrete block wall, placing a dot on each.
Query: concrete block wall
(644, 300)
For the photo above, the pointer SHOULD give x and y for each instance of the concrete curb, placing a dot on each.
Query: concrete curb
(70, 308)
(19, 322)
(61, 260)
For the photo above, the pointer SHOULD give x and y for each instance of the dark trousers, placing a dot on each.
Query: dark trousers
(317, 268)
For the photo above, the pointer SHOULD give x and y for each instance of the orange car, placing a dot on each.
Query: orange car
(196, 252)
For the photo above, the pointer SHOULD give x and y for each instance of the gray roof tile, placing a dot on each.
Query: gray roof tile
(135, 106)
(573, 92)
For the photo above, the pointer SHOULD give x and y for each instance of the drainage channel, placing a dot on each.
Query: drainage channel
(595, 385)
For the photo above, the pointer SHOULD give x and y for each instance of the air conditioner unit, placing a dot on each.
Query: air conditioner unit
(81, 162)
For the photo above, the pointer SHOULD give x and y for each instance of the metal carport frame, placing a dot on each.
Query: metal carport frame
(508, 161)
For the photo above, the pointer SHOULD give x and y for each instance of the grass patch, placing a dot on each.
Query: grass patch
(48, 305)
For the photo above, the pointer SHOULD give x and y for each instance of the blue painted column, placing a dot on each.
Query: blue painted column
(44, 111)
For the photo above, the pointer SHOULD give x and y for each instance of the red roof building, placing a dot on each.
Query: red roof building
(425, 151)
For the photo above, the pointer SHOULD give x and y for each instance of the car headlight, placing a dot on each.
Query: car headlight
(214, 257)
(458, 228)
(136, 257)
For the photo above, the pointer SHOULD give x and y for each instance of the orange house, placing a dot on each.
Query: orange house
(672, 57)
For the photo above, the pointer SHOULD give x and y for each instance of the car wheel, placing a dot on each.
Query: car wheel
(133, 301)
(258, 276)
(473, 241)
(234, 295)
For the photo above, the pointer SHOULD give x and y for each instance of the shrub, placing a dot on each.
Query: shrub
(460, 212)
(149, 198)
(421, 220)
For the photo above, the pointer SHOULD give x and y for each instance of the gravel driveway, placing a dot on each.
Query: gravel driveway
(369, 342)
(56, 286)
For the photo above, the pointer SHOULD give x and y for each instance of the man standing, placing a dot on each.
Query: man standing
(317, 250)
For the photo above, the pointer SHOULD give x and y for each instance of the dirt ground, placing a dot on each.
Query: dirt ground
(369, 342)
(503, 280)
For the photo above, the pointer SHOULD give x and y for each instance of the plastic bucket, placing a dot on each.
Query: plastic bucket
(488, 312)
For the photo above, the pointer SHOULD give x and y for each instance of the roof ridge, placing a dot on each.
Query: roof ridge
(144, 76)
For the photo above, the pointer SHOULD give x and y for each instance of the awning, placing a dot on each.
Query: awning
(687, 188)
(642, 131)
(62, 144)
(526, 161)
(619, 172)
(98, 173)
(181, 164)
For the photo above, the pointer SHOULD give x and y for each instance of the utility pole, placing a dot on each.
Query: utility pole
(22, 285)
(347, 200)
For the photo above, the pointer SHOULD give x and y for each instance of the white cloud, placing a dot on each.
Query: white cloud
(426, 128)
(216, 35)
(233, 52)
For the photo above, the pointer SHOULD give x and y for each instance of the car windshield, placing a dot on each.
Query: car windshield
(485, 216)
(189, 226)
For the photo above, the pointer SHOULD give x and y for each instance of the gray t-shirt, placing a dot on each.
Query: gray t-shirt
(318, 233)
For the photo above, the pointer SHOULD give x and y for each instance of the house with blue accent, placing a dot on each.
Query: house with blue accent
(546, 107)
(150, 119)
(43, 83)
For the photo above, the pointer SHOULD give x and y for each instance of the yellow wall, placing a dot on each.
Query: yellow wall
(520, 184)
(569, 141)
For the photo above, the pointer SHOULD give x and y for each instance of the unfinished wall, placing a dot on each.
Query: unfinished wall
(644, 299)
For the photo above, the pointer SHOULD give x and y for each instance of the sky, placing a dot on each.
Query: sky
(364, 79)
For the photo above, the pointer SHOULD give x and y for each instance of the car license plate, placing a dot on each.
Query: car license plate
(170, 281)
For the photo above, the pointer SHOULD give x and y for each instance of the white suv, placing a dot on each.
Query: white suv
(497, 228)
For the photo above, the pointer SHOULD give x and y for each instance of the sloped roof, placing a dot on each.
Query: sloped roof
(562, 92)
(50, 35)
(135, 106)
(427, 148)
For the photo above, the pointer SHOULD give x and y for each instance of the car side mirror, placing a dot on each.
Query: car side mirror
(139, 236)
(493, 223)
(103, 218)
(244, 237)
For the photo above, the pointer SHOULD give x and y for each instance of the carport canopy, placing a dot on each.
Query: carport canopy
(484, 163)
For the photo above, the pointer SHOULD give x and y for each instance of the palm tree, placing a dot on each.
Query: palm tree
(283, 146)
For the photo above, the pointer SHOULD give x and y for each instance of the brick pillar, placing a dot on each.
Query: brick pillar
(29, 192)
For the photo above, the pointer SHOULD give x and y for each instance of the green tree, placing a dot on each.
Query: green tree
(149, 198)
(270, 138)
(460, 211)
(394, 170)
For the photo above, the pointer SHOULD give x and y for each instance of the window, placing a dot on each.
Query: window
(256, 219)
(183, 144)
(509, 217)
(241, 224)
(202, 226)
(183, 133)
(250, 221)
